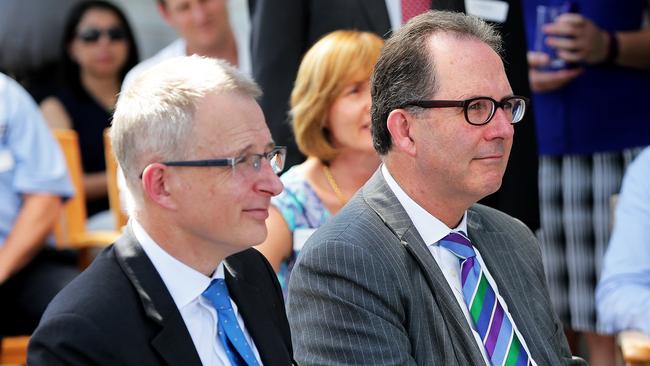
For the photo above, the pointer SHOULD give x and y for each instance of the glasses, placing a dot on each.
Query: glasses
(92, 35)
(275, 157)
(479, 110)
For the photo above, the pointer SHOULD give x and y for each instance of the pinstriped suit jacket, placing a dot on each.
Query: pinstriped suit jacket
(366, 290)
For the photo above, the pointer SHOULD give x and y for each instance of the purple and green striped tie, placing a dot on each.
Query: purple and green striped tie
(501, 343)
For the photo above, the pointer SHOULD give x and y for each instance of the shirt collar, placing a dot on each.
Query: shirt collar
(430, 228)
(185, 284)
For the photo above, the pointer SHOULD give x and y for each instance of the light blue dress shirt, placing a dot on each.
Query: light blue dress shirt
(623, 294)
(30, 159)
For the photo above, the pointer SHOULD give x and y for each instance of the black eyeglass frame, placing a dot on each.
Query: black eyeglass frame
(231, 162)
(92, 34)
(465, 103)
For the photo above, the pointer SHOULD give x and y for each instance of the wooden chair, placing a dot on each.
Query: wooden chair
(634, 348)
(70, 231)
(14, 351)
(113, 190)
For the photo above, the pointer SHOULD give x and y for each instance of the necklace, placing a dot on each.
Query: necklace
(332, 183)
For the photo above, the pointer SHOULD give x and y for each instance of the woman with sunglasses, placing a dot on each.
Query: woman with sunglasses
(330, 109)
(97, 51)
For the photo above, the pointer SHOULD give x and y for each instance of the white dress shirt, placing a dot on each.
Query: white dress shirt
(432, 230)
(186, 286)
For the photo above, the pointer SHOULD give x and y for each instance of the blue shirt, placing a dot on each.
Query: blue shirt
(603, 109)
(623, 294)
(30, 159)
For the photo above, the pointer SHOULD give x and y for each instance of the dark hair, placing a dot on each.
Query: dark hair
(405, 69)
(70, 69)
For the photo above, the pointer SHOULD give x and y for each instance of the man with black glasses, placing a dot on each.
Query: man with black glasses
(412, 271)
(182, 285)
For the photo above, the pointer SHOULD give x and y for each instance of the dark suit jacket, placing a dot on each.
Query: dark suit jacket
(119, 312)
(367, 291)
(283, 30)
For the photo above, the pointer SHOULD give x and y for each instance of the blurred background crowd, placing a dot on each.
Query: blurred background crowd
(569, 158)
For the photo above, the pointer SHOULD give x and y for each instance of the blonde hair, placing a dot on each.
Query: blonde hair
(339, 58)
(154, 117)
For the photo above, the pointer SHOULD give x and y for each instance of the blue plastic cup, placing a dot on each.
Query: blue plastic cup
(547, 14)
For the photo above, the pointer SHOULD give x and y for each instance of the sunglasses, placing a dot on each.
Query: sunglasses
(92, 35)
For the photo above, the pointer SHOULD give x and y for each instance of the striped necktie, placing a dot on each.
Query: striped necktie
(502, 344)
(231, 336)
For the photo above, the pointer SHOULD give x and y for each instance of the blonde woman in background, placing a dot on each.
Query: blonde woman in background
(330, 108)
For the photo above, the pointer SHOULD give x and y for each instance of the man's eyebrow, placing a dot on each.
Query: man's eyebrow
(249, 148)
(483, 96)
(244, 150)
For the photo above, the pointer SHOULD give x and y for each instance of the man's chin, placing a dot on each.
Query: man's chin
(256, 235)
(491, 187)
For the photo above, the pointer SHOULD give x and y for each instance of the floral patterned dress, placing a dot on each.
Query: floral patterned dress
(303, 212)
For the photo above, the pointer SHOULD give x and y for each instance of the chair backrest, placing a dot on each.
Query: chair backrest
(634, 347)
(72, 221)
(13, 350)
(113, 190)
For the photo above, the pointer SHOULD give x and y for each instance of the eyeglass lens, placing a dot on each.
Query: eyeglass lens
(91, 35)
(277, 161)
(275, 158)
(481, 110)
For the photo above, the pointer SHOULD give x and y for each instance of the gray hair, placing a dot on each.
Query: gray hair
(405, 70)
(154, 117)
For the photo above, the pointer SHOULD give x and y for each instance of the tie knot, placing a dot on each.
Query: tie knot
(458, 244)
(218, 295)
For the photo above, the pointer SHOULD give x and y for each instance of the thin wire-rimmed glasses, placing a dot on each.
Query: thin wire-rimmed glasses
(479, 110)
(275, 157)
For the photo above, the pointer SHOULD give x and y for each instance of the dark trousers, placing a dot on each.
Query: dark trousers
(24, 297)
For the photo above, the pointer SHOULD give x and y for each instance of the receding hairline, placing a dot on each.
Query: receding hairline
(462, 36)
(434, 48)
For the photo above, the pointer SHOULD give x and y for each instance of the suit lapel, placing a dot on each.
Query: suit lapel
(255, 309)
(382, 200)
(379, 20)
(173, 342)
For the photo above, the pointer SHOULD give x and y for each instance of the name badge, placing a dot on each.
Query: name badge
(491, 10)
(6, 161)
(300, 236)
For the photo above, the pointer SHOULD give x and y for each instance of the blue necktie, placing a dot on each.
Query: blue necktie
(231, 336)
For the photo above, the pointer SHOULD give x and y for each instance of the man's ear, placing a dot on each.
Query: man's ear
(156, 184)
(400, 128)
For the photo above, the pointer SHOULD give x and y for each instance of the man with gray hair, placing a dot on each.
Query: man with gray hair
(412, 271)
(182, 285)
